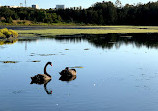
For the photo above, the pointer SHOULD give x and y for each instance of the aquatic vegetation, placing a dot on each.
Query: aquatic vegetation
(33, 54)
(77, 67)
(46, 54)
(86, 49)
(9, 61)
(35, 61)
(6, 33)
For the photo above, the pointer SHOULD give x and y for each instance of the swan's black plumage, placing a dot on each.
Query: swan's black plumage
(42, 78)
(68, 72)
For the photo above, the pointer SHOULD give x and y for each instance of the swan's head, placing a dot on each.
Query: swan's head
(64, 72)
(49, 92)
(67, 68)
(50, 63)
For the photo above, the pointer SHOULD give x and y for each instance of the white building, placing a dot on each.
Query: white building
(35, 6)
(60, 6)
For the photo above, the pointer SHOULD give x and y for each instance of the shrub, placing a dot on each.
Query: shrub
(1, 34)
(7, 33)
(15, 34)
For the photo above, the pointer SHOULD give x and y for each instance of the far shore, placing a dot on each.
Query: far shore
(51, 31)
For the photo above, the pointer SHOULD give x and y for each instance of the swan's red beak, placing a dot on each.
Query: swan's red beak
(51, 65)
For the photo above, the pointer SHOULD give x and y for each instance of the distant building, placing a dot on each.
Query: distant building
(35, 6)
(60, 6)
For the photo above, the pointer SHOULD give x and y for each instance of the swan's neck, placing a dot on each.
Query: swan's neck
(45, 72)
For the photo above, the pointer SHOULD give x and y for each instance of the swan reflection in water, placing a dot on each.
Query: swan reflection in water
(42, 78)
(67, 78)
(67, 74)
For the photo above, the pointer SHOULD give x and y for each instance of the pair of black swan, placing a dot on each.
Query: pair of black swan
(43, 78)
(66, 75)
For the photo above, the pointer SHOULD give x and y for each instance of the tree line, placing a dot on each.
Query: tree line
(100, 13)
(108, 13)
(23, 13)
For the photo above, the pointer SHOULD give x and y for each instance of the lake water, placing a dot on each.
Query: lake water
(114, 73)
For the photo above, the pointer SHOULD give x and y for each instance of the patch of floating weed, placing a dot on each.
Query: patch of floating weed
(46, 54)
(9, 61)
(86, 49)
(66, 49)
(33, 54)
(34, 61)
(77, 67)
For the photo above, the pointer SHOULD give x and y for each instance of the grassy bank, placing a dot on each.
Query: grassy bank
(30, 23)
(89, 30)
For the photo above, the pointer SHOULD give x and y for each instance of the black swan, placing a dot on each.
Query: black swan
(68, 72)
(42, 78)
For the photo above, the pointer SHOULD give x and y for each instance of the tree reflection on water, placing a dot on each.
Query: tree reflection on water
(108, 41)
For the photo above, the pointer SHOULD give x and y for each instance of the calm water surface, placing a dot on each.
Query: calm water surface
(114, 73)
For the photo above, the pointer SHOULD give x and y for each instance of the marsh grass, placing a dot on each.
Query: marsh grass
(86, 30)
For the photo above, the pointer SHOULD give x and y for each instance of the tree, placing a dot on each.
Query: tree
(9, 20)
(118, 4)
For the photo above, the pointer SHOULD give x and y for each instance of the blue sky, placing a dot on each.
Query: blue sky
(68, 3)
